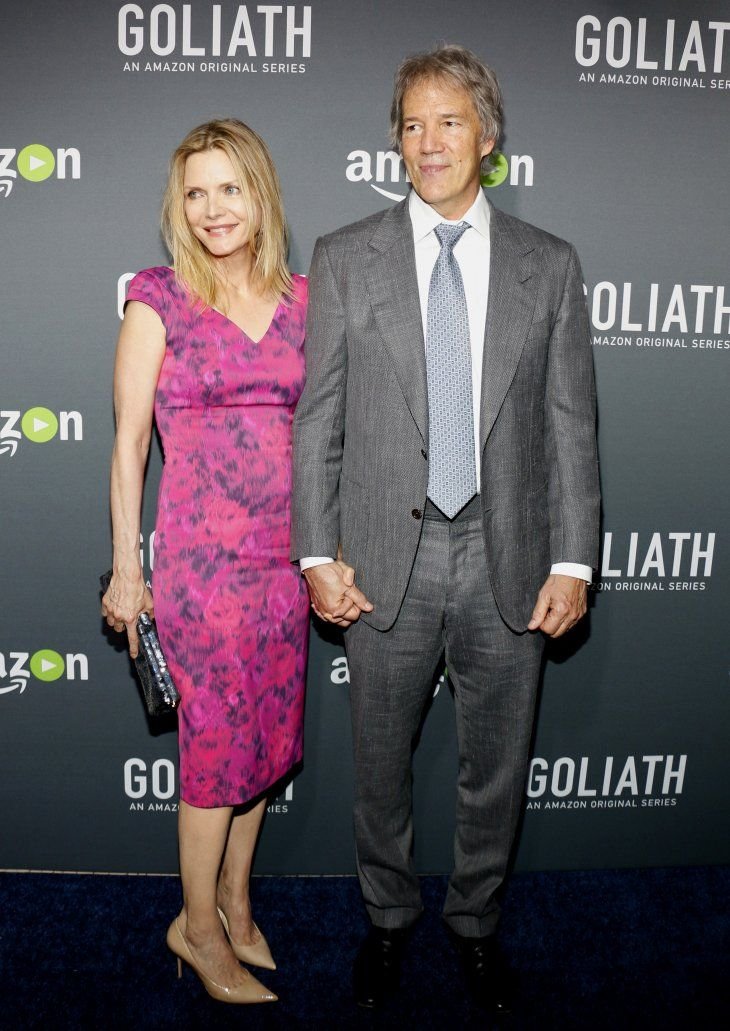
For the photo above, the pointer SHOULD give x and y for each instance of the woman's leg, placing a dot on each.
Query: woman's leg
(233, 897)
(202, 834)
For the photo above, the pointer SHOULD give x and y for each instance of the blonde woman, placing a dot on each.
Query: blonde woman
(212, 349)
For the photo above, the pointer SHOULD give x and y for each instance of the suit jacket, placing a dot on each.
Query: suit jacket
(361, 426)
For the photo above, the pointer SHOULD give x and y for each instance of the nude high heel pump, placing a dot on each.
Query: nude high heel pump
(258, 955)
(248, 992)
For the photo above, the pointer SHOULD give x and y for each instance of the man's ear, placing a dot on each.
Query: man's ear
(487, 147)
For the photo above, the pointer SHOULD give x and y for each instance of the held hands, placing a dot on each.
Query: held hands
(128, 595)
(562, 601)
(333, 593)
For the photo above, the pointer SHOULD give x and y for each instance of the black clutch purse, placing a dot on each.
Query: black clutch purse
(159, 693)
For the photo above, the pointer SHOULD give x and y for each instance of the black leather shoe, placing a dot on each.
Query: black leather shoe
(377, 966)
(490, 982)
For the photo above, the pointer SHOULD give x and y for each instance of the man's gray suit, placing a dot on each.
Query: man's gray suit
(360, 479)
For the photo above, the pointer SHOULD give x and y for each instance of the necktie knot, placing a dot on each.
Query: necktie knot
(449, 235)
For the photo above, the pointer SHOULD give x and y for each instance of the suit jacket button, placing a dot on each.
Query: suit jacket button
(416, 513)
(424, 453)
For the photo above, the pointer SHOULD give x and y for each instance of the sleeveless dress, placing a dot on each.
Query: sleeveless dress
(231, 609)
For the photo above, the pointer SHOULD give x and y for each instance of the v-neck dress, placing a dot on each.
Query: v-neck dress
(231, 609)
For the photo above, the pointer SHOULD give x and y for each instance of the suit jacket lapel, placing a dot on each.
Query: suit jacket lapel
(512, 294)
(390, 273)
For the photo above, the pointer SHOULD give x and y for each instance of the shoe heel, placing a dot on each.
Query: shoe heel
(179, 967)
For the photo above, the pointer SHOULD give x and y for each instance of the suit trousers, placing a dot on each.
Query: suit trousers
(448, 608)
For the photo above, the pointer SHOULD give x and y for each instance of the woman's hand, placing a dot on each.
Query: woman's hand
(127, 596)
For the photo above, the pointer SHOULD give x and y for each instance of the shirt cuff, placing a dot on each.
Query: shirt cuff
(314, 560)
(573, 569)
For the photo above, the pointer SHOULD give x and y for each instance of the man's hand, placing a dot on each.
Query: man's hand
(333, 593)
(562, 601)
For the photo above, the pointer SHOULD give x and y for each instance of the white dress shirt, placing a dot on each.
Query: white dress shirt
(472, 253)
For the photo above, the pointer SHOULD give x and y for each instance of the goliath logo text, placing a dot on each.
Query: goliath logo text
(567, 783)
(629, 310)
(38, 425)
(159, 780)
(36, 163)
(45, 664)
(386, 167)
(650, 47)
(677, 561)
(201, 32)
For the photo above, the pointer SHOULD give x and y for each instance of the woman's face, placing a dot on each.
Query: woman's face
(214, 203)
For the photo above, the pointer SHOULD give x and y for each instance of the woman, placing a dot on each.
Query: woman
(213, 348)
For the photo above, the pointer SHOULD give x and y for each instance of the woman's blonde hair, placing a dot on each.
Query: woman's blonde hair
(254, 168)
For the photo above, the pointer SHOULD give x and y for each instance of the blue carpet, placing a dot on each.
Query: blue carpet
(593, 950)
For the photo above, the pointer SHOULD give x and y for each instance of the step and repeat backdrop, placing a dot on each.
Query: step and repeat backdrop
(616, 139)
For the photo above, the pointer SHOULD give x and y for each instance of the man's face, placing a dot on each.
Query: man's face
(441, 145)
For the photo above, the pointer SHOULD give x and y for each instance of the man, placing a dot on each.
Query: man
(446, 495)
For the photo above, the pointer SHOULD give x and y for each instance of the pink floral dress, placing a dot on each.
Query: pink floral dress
(231, 609)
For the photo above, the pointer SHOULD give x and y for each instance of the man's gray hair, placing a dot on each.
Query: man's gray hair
(464, 69)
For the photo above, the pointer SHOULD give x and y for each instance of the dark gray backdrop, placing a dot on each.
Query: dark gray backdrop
(616, 138)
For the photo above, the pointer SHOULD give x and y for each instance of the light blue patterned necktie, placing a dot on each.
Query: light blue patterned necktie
(452, 479)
